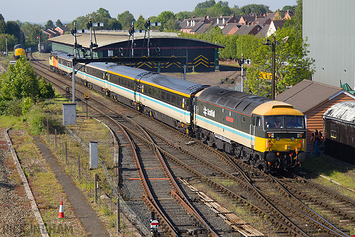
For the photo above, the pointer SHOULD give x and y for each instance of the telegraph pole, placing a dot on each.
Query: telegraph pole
(242, 79)
(73, 65)
(273, 48)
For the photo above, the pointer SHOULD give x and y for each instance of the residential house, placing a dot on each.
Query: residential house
(274, 26)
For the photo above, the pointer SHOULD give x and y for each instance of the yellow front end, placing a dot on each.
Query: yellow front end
(19, 52)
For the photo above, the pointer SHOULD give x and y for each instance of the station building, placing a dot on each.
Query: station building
(202, 56)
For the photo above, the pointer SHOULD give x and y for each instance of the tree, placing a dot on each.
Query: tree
(21, 82)
(206, 4)
(49, 25)
(291, 63)
(58, 23)
(254, 8)
(11, 42)
(13, 29)
(126, 19)
(31, 31)
(2, 25)
(296, 20)
(113, 24)
(139, 24)
(164, 17)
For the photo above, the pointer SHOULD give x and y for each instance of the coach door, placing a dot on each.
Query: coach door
(252, 131)
(137, 90)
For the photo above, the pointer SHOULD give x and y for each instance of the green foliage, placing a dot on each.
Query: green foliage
(253, 8)
(2, 25)
(126, 19)
(291, 63)
(35, 118)
(139, 24)
(11, 107)
(58, 23)
(296, 20)
(12, 28)
(31, 32)
(26, 105)
(11, 42)
(113, 24)
(21, 82)
(49, 25)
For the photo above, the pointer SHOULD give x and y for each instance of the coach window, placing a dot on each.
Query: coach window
(173, 99)
(168, 97)
(244, 119)
(163, 95)
(187, 103)
(333, 131)
(178, 101)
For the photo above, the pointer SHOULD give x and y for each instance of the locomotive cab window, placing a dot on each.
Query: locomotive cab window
(258, 122)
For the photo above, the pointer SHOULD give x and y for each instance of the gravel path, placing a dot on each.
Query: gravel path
(88, 217)
(15, 212)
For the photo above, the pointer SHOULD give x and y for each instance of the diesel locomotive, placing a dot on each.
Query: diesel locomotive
(19, 51)
(267, 134)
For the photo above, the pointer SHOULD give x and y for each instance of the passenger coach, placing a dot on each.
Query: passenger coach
(165, 98)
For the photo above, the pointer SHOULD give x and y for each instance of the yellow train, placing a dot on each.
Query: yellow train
(19, 51)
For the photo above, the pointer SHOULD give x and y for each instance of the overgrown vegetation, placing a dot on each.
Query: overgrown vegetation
(20, 90)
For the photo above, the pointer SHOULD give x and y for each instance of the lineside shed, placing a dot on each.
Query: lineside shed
(313, 99)
(202, 56)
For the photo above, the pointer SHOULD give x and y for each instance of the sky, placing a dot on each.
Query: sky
(40, 11)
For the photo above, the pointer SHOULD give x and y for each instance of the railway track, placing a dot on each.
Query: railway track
(172, 213)
(246, 189)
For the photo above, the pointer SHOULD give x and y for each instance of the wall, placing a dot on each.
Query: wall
(328, 25)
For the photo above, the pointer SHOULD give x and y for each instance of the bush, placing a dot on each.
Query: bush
(35, 118)
(11, 107)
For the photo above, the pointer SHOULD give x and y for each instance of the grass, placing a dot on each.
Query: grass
(45, 188)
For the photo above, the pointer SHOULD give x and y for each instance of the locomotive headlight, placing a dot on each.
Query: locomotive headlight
(292, 138)
(278, 138)
(298, 135)
(272, 135)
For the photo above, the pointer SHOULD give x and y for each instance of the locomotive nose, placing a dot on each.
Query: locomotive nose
(301, 157)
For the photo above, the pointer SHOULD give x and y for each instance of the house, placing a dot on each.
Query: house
(50, 33)
(263, 32)
(230, 28)
(274, 26)
(62, 29)
(188, 24)
(248, 29)
(313, 99)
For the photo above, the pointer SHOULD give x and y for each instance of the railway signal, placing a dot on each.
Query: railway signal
(5, 36)
(154, 224)
(147, 25)
(90, 24)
